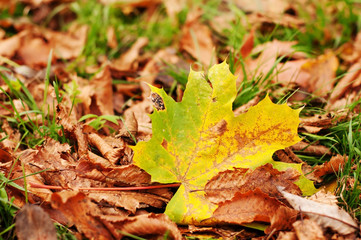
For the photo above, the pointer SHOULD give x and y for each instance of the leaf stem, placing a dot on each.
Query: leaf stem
(37, 185)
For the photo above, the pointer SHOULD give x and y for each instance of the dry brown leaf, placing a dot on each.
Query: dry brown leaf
(70, 44)
(288, 156)
(130, 126)
(353, 74)
(316, 150)
(265, 6)
(73, 129)
(173, 7)
(114, 176)
(12, 136)
(128, 60)
(35, 195)
(111, 37)
(102, 100)
(110, 153)
(130, 201)
(333, 166)
(307, 229)
(80, 211)
(226, 184)
(287, 236)
(197, 41)
(325, 215)
(141, 112)
(27, 49)
(253, 206)
(5, 156)
(324, 197)
(33, 223)
(154, 66)
(9, 46)
(322, 72)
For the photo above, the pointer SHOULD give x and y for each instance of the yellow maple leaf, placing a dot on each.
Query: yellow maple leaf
(198, 137)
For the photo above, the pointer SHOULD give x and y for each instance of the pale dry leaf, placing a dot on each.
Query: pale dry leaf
(287, 236)
(264, 6)
(33, 223)
(9, 46)
(111, 37)
(197, 41)
(345, 83)
(308, 229)
(325, 215)
(322, 72)
(127, 61)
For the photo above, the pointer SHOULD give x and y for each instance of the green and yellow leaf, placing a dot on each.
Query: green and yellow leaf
(195, 139)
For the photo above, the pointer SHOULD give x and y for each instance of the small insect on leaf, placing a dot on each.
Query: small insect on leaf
(157, 101)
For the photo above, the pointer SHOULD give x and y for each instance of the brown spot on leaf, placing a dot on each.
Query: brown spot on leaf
(165, 144)
(220, 128)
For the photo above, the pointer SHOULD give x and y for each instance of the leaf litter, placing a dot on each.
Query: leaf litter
(83, 177)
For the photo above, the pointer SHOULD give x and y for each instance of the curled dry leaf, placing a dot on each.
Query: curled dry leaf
(33, 223)
(73, 129)
(130, 125)
(111, 154)
(253, 206)
(130, 201)
(148, 226)
(325, 215)
(333, 166)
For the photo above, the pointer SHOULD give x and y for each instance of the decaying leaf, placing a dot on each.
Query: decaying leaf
(81, 211)
(195, 139)
(325, 215)
(256, 206)
(33, 223)
(226, 184)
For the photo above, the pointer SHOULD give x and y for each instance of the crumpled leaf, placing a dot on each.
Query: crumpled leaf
(195, 139)
(324, 214)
